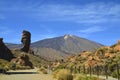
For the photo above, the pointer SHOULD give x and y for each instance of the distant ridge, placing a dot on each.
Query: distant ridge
(13, 46)
(60, 47)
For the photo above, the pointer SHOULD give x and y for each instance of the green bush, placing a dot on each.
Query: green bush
(64, 74)
(115, 74)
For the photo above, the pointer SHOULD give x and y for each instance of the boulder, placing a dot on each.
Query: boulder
(23, 60)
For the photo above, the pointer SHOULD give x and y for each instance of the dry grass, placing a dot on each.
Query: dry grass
(63, 74)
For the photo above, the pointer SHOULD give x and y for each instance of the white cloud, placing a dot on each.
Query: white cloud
(92, 30)
(88, 13)
(5, 31)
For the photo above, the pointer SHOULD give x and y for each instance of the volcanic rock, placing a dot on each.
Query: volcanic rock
(26, 40)
(5, 53)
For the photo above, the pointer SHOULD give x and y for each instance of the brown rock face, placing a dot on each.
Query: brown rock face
(26, 40)
(5, 53)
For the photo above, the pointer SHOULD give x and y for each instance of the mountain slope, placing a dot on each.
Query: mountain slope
(63, 46)
(60, 47)
(13, 46)
(68, 44)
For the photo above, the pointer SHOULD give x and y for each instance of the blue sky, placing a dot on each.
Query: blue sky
(97, 20)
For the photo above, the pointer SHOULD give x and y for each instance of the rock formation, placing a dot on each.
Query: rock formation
(5, 53)
(26, 40)
(23, 60)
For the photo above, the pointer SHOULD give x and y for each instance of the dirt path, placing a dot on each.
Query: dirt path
(109, 78)
(26, 75)
(33, 75)
(104, 77)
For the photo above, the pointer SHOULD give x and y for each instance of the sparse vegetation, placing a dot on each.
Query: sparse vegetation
(104, 61)
(63, 74)
(83, 77)
(43, 70)
(115, 74)
(4, 64)
(36, 61)
(19, 67)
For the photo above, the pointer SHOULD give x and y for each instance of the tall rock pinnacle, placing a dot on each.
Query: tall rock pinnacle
(26, 40)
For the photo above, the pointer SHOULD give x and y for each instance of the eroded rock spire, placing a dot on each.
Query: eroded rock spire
(26, 40)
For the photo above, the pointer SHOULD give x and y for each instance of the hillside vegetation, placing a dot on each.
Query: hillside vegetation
(104, 61)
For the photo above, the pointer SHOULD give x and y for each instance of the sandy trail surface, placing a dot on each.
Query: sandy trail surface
(33, 75)
(26, 75)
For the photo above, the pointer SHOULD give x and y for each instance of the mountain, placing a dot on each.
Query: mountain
(13, 46)
(60, 47)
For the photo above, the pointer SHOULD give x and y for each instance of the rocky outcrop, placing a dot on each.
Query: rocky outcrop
(117, 47)
(5, 53)
(23, 60)
(26, 40)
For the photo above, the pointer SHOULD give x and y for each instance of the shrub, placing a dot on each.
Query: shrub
(3, 63)
(115, 74)
(43, 70)
(59, 67)
(7, 68)
(55, 73)
(82, 77)
(19, 67)
(64, 74)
